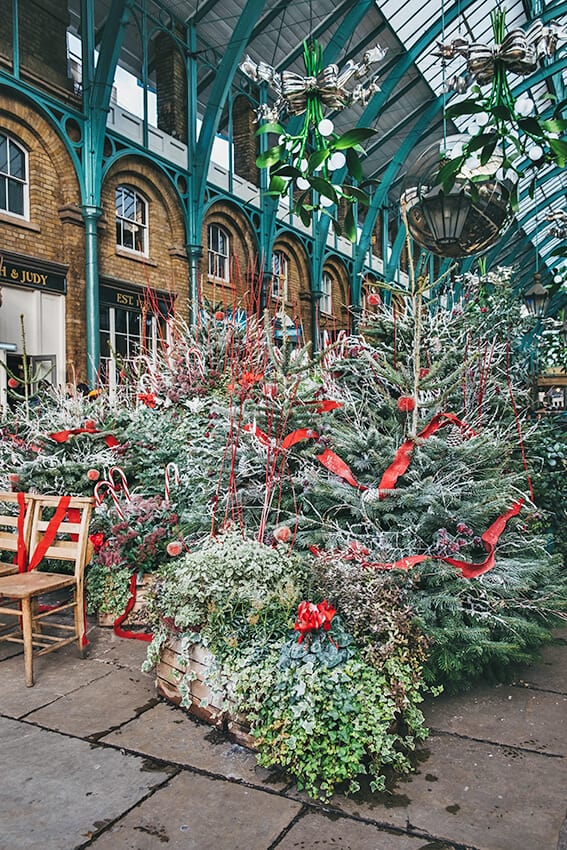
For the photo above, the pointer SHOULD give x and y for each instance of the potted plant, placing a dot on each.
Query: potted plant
(237, 643)
(129, 546)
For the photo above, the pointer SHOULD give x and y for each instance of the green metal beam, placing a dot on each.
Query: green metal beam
(97, 90)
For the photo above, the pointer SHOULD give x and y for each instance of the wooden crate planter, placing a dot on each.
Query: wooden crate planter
(171, 670)
(137, 617)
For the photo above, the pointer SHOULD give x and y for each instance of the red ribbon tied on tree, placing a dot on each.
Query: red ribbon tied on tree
(311, 618)
(90, 428)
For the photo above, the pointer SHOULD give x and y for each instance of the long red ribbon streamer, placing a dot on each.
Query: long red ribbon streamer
(63, 436)
(489, 538)
(402, 458)
(125, 633)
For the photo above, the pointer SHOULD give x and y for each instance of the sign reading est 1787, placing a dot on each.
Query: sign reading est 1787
(31, 275)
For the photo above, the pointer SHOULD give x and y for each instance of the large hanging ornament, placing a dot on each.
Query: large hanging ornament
(559, 227)
(500, 122)
(464, 220)
(325, 167)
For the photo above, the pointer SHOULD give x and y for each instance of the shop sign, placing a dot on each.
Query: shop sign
(31, 275)
(129, 299)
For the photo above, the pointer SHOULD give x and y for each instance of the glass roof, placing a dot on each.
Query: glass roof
(408, 111)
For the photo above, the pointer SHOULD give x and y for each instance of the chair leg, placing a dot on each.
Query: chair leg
(79, 614)
(28, 640)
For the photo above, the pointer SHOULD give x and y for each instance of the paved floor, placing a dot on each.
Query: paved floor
(90, 758)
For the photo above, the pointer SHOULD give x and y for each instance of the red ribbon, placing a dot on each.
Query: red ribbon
(490, 538)
(403, 456)
(125, 633)
(47, 539)
(292, 438)
(334, 464)
(63, 436)
(401, 461)
(22, 554)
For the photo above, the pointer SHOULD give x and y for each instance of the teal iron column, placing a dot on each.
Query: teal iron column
(91, 214)
(97, 89)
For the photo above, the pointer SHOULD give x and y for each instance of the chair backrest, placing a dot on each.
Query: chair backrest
(11, 523)
(61, 536)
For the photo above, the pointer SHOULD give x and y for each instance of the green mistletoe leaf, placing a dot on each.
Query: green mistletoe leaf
(271, 156)
(349, 226)
(317, 159)
(559, 149)
(270, 128)
(354, 166)
(464, 107)
(352, 138)
(324, 188)
(531, 126)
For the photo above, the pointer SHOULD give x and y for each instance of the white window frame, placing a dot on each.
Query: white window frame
(133, 224)
(153, 339)
(6, 177)
(218, 246)
(326, 303)
(280, 276)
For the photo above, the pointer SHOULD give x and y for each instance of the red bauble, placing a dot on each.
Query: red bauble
(219, 316)
(373, 299)
(406, 404)
(13, 383)
(282, 533)
(93, 474)
(174, 548)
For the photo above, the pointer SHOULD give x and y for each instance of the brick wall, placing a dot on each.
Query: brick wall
(171, 83)
(42, 43)
(166, 266)
(244, 128)
(49, 234)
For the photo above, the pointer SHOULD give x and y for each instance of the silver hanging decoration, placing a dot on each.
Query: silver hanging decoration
(330, 86)
(519, 51)
(559, 227)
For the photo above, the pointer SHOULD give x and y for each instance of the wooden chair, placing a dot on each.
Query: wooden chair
(62, 536)
(15, 528)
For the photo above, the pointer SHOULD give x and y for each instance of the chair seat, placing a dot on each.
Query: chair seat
(7, 569)
(20, 585)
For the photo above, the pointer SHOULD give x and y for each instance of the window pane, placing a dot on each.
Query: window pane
(120, 321)
(17, 162)
(3, 154)
(104, 345)
(121, 345)
(3, 201)
(118, 201)
(129, 205)
(104, 318)
(16, 197)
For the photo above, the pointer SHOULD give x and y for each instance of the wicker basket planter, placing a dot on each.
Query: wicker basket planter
(190, 665)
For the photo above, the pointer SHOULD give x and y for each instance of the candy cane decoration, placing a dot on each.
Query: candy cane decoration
(170, 470)
(99, 496)
(110, 487)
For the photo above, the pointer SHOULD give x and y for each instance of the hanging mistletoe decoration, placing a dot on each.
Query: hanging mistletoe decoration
(506, 134)
(322, 167)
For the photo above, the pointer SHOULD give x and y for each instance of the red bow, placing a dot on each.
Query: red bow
(311, 617)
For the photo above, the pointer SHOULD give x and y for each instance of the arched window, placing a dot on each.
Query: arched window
(13, 177)
(326, 305)
(279, 276)
(131, 220)
(219, 248)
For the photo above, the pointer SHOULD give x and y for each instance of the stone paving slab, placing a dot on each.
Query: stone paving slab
(314, 830)
(197, 813)
(56, 675)
(99, 706)
(107, 647)
(507, 715)
(491, 797)
(56, 791)
(168, 733)
(551, 672)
